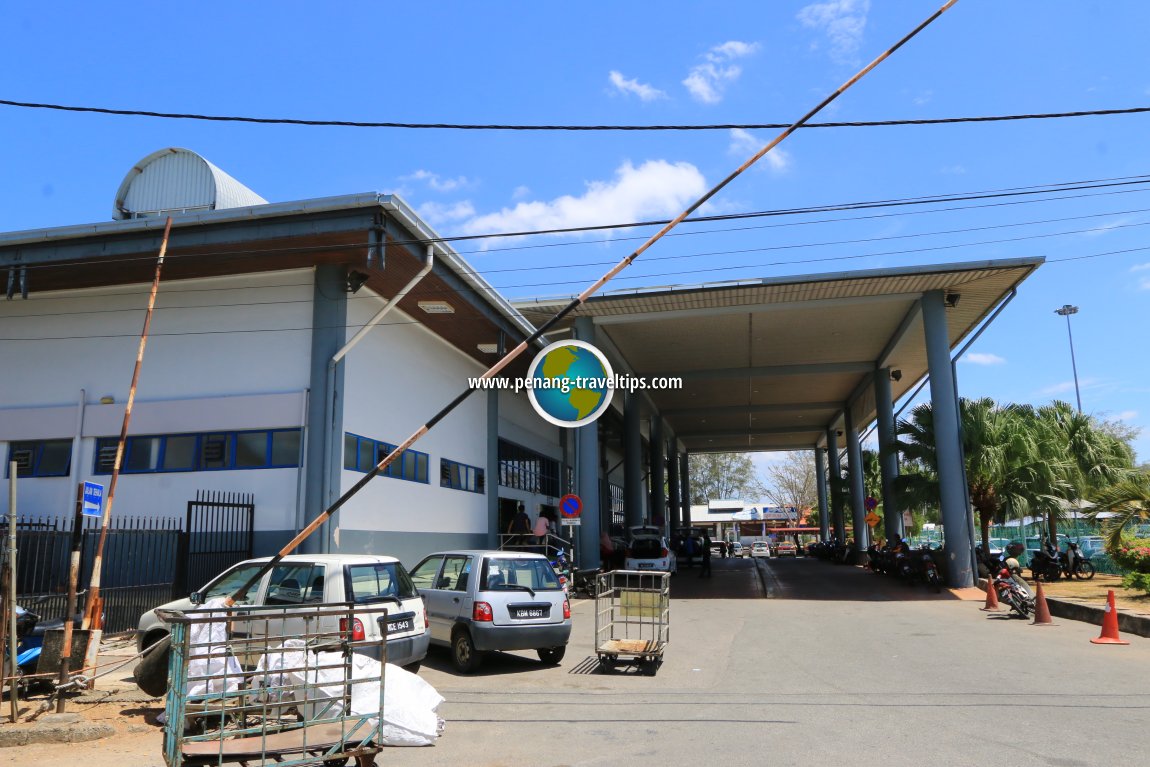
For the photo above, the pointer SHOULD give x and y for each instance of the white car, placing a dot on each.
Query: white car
(760, 549)
(647, 549)
(301, 579)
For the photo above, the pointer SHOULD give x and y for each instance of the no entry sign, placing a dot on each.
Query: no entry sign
(570, 506)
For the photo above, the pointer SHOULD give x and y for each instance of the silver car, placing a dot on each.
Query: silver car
(302, 579)
(479, 601)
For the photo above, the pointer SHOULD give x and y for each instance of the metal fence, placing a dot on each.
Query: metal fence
(147, 560)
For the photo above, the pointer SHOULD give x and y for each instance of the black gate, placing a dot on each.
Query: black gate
(219, 533)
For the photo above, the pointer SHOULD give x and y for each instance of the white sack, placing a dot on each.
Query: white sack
(210, 639)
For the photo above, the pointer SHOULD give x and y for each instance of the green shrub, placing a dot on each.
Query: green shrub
(1132, 554)
(1138, 581)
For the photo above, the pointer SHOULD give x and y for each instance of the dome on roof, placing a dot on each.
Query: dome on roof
(175, 180)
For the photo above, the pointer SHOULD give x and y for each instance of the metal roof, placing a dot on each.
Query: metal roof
(771, 364)
(175, 179)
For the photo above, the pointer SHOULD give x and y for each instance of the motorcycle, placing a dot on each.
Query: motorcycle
(1013, 590)
(562, 568)
(929, 570)
(1075, 564)
(1045, 566)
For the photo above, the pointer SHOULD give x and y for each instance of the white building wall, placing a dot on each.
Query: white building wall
(223, 354)
(395, 379)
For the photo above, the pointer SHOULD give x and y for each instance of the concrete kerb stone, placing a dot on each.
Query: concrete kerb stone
(54, 728)
(1129, 623)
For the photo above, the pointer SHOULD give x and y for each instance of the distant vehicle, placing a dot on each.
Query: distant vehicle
(647, 549)
(760, 549)
(478, 601)
(717, 548)
(737, 549)
(786, 549)
(302, 579)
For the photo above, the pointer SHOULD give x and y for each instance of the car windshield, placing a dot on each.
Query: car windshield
(509, 573)
(378, 582)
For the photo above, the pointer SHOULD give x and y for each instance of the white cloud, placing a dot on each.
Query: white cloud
(642, 90)
(1144, 283)
(655, 188)
(1067, 387)
(923, 98)
(707, 81)
(1127, 415)
(1140, 267)
(979, 358)
(437, 182)
(842, 21)
(521, 193)
(1118, 223)
(744, 144)
(954, 170)
(438, 213)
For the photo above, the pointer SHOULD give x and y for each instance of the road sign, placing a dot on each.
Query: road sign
(93, 499)
(872, 519)
(907, 519)
(871, 503)
(570, 506)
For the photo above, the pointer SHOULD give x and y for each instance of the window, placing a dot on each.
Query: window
(362, 454)
(232, 581)
(201, 452)
(378, 582)
(295, 584)
(44, 458)
(423, 576)
(524, 469)
(460, 476)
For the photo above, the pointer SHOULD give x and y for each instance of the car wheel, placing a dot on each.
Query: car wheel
(152, 672)
(551, 655)
(464, 656)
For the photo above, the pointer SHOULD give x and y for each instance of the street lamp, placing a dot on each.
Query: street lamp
(1066, 311)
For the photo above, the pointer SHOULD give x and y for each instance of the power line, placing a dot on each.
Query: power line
(510, 127)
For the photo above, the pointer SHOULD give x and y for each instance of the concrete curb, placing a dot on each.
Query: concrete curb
(1129, 623)
(54, 728)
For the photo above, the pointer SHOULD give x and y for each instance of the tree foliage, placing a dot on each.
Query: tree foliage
(791, 481)
(715, 476)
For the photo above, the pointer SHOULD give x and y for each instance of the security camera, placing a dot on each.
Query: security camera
(896, 375)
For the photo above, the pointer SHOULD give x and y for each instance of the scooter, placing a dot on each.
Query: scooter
(1075, 565)
(930, 570)
(1014, 591)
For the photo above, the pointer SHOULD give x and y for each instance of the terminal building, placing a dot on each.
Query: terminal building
(295, 343)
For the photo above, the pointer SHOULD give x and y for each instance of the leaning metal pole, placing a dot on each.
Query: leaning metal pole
(94, 609)
(495, 369)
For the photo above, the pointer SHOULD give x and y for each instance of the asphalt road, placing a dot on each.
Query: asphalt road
(838, 666)
(798, 662)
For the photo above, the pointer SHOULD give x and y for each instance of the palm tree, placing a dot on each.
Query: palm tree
(1129, 499)
(1089, 457)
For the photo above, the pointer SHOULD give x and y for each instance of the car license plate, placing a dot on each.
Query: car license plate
(394, 627)
(530, 611)
(646, 565)
(397, 624)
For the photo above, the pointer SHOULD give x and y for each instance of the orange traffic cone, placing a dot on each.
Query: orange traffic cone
(1041, 609)
(991, 597)
(1109, 633)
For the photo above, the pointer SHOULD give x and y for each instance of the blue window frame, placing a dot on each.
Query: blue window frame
(363, 453)
(208, 451)
(41, 458)
(460, 476)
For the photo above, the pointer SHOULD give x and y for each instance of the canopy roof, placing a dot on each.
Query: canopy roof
(771, 364)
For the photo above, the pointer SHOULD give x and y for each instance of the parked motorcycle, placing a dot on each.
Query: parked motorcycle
(1013, 590)
(928, 569)
(1045, 566)
(1075, 564)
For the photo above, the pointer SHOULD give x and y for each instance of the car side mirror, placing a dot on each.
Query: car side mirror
(196, 598)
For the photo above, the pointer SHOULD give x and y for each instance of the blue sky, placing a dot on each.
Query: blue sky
(641, 63)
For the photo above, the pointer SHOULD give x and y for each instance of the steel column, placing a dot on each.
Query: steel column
(674, 498)
(632, 461)
(948, 449)
(887, 454)
(858, 493)
(685, 486)
(821, 486)
(587, 472)
(658, 474)
(835, 478)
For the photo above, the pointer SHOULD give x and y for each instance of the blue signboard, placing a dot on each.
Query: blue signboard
(93, 499)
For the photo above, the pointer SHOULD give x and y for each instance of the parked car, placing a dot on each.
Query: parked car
(786, 549)
(479, 601)
(647, 549)
(760, 549)
(302, 579)
(737, 549)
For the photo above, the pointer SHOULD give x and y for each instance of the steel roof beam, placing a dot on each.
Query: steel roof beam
(740, 409)
(719, 311)
(768, 371)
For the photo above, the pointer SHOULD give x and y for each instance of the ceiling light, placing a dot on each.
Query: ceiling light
(437, 307)
(488, 348)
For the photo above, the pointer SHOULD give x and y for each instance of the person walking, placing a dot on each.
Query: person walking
(706, 568)
(519, 530)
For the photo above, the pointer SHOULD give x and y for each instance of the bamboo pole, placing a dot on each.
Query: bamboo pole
(94, 610)
(495, 369)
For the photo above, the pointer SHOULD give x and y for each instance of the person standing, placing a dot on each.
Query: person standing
(519, 529)
(706, 568)
(542, 530)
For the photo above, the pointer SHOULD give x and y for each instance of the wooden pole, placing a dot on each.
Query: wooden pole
(73, 579)
(94, 610)
(495, 369)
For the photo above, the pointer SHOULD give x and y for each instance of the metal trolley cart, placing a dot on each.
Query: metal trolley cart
(311, 698)
(632, 618)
